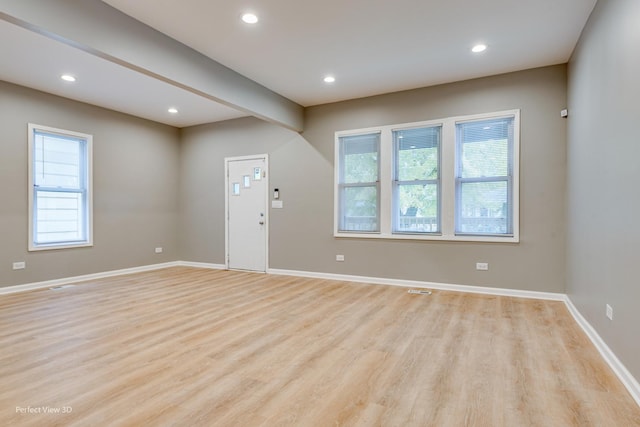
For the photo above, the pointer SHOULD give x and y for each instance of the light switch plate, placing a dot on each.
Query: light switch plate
(276, 204)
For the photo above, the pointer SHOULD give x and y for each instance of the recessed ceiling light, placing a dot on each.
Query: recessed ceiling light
(250, 18)
(68, 78)
(173, 110)
(329, 79)
(479, 48)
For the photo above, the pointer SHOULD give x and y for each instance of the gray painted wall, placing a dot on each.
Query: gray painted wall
(302, 168)
(204, 148)
(136, 164)
(603, 174)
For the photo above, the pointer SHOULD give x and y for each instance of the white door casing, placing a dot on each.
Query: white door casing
(247, 213)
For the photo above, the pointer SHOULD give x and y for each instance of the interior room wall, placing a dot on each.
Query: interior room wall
(603, 174)
(203, 150)
(301, 234)
(135, 175)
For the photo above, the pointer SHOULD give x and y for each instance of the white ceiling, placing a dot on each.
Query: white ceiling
(38, 61)
(371, 46)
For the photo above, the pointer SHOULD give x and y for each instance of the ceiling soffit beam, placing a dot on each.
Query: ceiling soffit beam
(103, 31)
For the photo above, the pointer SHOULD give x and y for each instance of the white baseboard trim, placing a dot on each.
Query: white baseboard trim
(201, 265)
(75, 279)
(427, 285)
(609, 356)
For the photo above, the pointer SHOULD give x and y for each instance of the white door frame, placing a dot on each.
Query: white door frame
(265, 157)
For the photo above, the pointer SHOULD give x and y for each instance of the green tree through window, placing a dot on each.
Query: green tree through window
(417, 180)
(359, 182)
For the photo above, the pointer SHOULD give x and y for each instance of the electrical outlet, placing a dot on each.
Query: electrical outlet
(340, 258)
(482, 266)
(19, 265)
(158, 250)
(609, 312)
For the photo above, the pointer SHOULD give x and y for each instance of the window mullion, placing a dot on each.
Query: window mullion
(386, 181)
(447, 178)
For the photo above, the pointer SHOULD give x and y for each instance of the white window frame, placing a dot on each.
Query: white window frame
(448, 153)
(88, 189)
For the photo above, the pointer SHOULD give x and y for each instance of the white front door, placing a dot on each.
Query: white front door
(247, 197)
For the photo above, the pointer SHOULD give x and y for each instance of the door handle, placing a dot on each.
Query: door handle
(261, 223)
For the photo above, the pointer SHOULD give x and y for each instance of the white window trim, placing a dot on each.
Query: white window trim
(89, 151)
(447, 176)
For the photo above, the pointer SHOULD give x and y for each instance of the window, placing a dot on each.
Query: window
(450, 179)
(484, 178)
(416, 184)
(359, 183)
(60, 188)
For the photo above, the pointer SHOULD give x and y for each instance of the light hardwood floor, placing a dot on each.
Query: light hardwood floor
(191, 347)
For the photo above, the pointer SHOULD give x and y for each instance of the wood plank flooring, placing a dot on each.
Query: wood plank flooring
(195, 347)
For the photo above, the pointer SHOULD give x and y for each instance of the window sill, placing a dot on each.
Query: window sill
(59, 246)
(429, 237)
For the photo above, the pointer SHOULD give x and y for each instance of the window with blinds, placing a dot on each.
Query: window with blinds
(416, 184)
(454, 178)
(484, 177)
(359, 183)
(60, 187)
